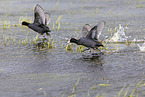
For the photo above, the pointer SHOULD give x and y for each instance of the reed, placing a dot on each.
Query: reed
(69, 47)
(58, 20)
(58, 26)
(74, 88)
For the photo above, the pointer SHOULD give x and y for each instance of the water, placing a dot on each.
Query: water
(26, 71)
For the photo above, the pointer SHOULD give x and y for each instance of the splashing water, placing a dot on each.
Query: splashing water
(119, 36)
(142, 48)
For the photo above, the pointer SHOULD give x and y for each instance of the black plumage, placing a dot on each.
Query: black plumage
(90, 37)
(41, 20)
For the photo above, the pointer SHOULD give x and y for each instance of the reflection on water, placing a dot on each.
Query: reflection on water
(93, 56)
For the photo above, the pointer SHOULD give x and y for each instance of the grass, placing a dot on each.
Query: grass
(6, 22)
(58, 26)
(58, 20)
(74, 88)
(125, 91)
(25, 41)
(11, 40)
(68, 47)
(140, 6)
(58, 23)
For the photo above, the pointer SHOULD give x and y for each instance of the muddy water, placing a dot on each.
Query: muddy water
(28, 72)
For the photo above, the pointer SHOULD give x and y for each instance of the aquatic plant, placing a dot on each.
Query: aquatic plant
(25, 41)
(58, 20)
(80, 48)
(58, 26)
(44, 44)
(140, 6)
(104, 85)
(69, 47)
(6, 23)
(53, 27)
(57, 5)
(62, 45)
(14, 40)
(35, 39)
(74, 88)
(126, 92)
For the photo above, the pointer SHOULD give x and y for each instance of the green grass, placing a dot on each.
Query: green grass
(140, 6)
(6, 23)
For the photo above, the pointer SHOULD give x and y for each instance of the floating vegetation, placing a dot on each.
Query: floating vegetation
(140, 6)
(69, 47)
(104, 85)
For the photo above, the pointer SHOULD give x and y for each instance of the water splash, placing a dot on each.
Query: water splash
(119, 36)
(142, 47)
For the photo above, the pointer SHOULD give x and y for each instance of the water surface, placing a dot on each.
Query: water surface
(28, 72)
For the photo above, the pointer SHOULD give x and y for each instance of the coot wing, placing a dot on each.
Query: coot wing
(39, 16)
(86, 30)
(96, 31)
(47, 18)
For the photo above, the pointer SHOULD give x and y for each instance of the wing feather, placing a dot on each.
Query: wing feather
(47, 18)
(100, 27)
(86, 30)
(96, 31)
(39, 16)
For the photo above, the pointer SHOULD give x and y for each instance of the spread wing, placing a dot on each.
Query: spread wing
(100, 27)
(39, 16)
(47, 18)
(96, 31)
(86, 30)
(92, 32)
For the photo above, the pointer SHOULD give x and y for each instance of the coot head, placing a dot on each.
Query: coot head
(25, 23)
(73, 40)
